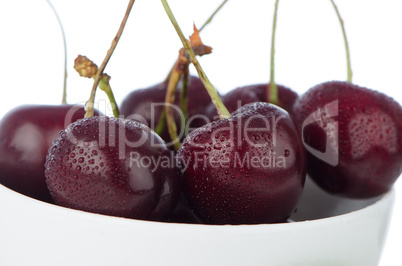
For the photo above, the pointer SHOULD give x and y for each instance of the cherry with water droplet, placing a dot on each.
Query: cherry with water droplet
(113, 166)
(245, 169)
(234, 169)
(353, 137)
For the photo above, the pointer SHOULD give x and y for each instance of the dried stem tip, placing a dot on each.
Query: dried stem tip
(198, 46)
(85, 67)
(199, 49)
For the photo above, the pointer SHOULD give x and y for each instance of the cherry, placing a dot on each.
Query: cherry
(146, 105)
(26, 134)
(241, 96)
(246, 169)
(353, 137)
(112, 166)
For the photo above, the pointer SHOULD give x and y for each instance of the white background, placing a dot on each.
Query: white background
(309, 47)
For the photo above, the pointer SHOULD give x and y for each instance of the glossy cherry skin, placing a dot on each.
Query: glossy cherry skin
(247, 169)
(26, 134)
(138, 106)
(356, 136)
(241, 96)
(113, 166)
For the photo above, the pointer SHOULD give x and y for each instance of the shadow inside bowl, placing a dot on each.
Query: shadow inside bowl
(316, 203)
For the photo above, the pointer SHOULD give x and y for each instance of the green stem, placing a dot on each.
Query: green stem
(160, 127)
(169, 101)
(90, 104)
(348, 64)
(203, 26)
(105, 86)
(183, 97)
(64, 98)
(213, 14)
(272, 88)
(221, 108)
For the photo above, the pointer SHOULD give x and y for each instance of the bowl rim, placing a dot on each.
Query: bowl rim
(387, 198)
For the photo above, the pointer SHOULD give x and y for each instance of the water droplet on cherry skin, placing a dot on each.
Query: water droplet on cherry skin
(217, 146)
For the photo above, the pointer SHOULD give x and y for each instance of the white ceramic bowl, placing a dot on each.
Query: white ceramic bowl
(36, 233)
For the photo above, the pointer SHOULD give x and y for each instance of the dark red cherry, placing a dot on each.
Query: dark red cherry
(353, 136)
(246, 169)
(146, 105)
(26, 134)
(241, 96)
(115, 167)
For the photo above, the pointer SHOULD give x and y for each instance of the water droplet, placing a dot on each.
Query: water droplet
(287, 153)
(77, 128)
(197, 139)
(217, 146)
(53, 150)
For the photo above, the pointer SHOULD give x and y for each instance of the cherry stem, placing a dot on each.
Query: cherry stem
(221, 108)
(348, 64)
(203, 26)
(90, 104)
(161, 123)
(213, 14)
(169, 100)
(179, 70)
(64, 98)
(272, 88)
(88, 69)
(105, 86)
(183, 96)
